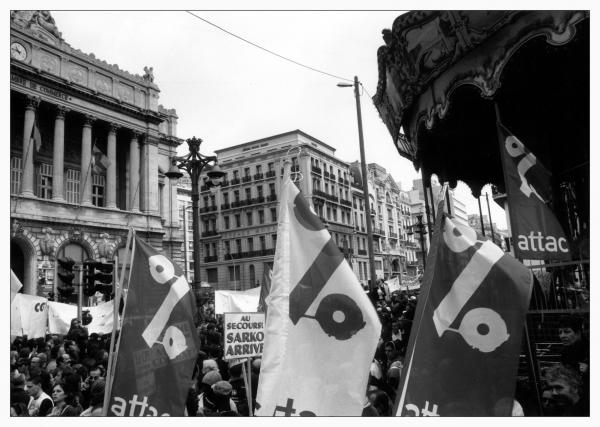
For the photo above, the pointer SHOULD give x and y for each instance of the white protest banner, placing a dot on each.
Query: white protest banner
(244, 335)
(394, 284)
(60, 316)
(32, 311)
(237, 301)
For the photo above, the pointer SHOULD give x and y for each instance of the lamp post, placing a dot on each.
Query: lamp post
(365, 180)
(193, 163)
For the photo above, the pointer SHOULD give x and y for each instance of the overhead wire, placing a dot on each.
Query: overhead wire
(267, 50)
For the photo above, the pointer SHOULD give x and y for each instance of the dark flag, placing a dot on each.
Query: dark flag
(158, 343)
(463, 351)
(536, 232)
(264, 290)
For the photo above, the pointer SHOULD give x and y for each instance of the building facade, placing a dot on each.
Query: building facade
(239, 221)
(89, 145)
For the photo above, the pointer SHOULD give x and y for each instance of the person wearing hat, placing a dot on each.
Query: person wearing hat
(217, 401)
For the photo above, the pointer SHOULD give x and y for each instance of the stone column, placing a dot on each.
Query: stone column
(28, 146)
(134, 172)
(58, 156)
(111, 170)
(151, 194)
(86, 161)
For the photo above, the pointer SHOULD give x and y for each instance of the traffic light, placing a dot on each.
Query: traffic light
(66, 276)
(98, 278)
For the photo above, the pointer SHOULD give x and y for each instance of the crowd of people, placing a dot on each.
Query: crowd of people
(65, 375)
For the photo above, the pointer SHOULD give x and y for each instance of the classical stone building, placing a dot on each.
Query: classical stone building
(239, 221)
(89, 145)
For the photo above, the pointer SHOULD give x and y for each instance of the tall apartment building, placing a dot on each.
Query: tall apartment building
(457, 205)
(67, 200)
(239, 221)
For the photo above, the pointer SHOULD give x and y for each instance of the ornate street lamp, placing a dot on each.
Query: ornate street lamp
(193, 163)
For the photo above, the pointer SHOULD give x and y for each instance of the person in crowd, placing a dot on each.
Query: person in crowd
(40, 404)
(96, 399)
(65, 403)
(566, 387)
(548, 405)
(381, 402)
(210, 378)
(18, 409)
(17, 391)
(576, 350)
(217, 401)
(238, 393)
(368, 409)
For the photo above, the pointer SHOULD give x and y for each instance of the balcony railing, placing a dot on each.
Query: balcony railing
(272, 198)
(378, 231)
(210, 233)
(211, 258)
(323, 195)
(225, 206)
(270, 174)
(258, 176)
(362, 251)
(394, 236)
(295, 168)
(208, 209)
(235, 181)
(225, 183)
(346, 202)
(316, 170)
(246, 178)
(250, 254)
(326, 174)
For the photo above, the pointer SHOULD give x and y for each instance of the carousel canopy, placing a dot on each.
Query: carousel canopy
(443, 73)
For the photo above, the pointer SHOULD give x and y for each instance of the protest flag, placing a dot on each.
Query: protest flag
(158, 344)
(264, 290)
(464, 345)
(536, 232)
(321, 329)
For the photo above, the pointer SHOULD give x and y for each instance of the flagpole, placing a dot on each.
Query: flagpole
(487, 199)
(114, 347)
(427, 209)
(481, 216)
(530, 354)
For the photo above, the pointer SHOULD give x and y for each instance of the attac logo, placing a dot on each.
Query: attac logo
(163, 273)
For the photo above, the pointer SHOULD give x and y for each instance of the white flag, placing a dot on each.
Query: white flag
(60, 316)
(321, 329)
(32, 313)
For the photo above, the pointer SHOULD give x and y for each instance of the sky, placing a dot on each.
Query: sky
(228, 92)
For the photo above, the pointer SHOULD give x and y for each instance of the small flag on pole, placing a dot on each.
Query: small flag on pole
(158, 345)
(536, 232)
(100, 161)
(464, 345)
(321, 329)
(36, 136)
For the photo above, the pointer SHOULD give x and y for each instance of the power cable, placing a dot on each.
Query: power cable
(267, 50)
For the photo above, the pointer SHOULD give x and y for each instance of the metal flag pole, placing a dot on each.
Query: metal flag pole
(487, 199)
(481, 216)
(114, 347)
(530, 353)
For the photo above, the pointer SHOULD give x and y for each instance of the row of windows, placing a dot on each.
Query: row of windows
(43, 182)
(316, 163)
(235, 221)
(245, 245)
(247, 171)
